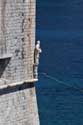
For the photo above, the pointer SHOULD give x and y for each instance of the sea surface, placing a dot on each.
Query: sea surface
(60, 86)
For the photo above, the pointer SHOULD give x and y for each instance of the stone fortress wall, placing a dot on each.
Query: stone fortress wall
(17, 40)
(18, 105)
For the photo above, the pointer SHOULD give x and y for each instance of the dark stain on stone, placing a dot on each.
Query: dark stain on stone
(23, 1)
(22, 53)
(17, 51)
(23, 14)
(22, 25)
(29, 19)
(15, 37)
(15, 69)
(22, 39)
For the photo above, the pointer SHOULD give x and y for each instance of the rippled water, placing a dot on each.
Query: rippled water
(60, 29)
(59, 104)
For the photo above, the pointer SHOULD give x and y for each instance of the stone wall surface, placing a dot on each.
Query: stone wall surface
(18, 107)
(18, 104)
(17, 40)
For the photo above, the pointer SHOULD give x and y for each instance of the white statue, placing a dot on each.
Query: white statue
(37, 52)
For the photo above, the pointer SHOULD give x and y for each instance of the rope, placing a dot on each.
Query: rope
(61, 82)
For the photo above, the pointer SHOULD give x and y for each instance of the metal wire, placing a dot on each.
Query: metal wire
(61, 82)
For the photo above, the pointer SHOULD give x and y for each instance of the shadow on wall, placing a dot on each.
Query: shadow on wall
(16, 88)
(3, 64)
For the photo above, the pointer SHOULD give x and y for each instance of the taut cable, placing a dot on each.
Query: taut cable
(60, 82)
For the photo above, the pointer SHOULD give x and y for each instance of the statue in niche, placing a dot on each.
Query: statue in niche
(37, 52)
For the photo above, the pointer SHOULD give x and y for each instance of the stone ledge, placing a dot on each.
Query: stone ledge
(18, 83)
(5, 56)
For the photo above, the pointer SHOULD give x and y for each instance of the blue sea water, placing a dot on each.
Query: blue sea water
(60, 29)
